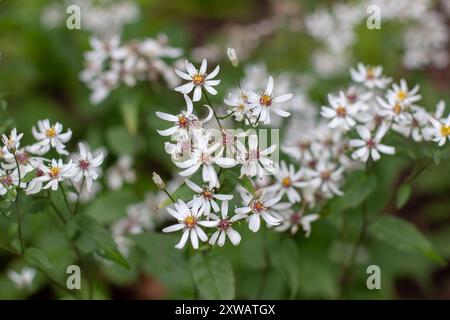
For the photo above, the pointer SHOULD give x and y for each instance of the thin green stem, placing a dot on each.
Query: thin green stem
(169, 195)
(65, 198)
(79, 196)
(214, 111)
(19, 216)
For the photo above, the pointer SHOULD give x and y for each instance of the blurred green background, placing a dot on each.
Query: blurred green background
(39, 77)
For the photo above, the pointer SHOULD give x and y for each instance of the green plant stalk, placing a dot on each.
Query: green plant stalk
(65, 198)
(19, 216)
(214, 111)
(78, 196)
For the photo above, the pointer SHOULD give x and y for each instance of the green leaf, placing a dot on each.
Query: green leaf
(404, 236)
(213, 276)
(403, 195)
(91, 235)
(38, 258)
(29, 176)
(120, 141)
(231, 180)
(284, 256)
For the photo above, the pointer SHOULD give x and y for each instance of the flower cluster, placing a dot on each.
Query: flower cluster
(110, 64)
(214, 152)
(29, 168)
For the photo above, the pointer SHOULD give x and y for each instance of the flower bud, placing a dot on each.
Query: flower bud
(233, 57)
(158, 181)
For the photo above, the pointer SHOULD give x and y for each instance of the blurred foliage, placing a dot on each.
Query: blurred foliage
(39, 78)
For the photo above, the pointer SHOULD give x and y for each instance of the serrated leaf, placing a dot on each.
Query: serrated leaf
(213, 276)
(404, 236)
(403, 195)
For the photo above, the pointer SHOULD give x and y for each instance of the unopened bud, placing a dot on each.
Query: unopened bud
(233, 57)
(158, 181)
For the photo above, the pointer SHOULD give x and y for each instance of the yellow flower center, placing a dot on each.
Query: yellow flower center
(198, 79)
(397, 108)
(286, 182)
(54, 172)
(445, 130)
(51, 132)
(265, 100)
(207, 194)
(401, 95)
(370, 73)
(341, 111)
(190, 221)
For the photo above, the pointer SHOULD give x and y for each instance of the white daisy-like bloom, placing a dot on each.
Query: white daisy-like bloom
(401, 93)
(370, 76)
(368, 146)
(57, 172)
(207, 197)
(182, 122)
(12, 141)
(440, 130)
(259, 207)
(393, 109)
(287, 180)
(225, 227)
(8, 180)
(293, 220)
(22, 279)
(188, 221)
(341, 113)
(255, 161)
(122, 172)
(326, 177)
(203, 156)
(414, 125)
(198, 79)
(264, 102)
(87, 166)
(50, 136)
(239, 105)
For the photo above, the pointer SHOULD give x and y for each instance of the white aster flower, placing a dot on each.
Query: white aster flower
(287, 180)
(370, 76)
(257, 206)
(239, 105)
(50, 136)
(207, 197)
(12, 142)
(188, 221)
(341, 113)
(203, 156)
(57, 172)
(326, 177)
(402, 94)
(440, 130)
(368, 146)
(8, 179)
(225, 227)
(87, 166)
(198, 79)
(292, 220)
(263, 102)
(122, 172)
(182, 122)
(256, 161)
(22, 279)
